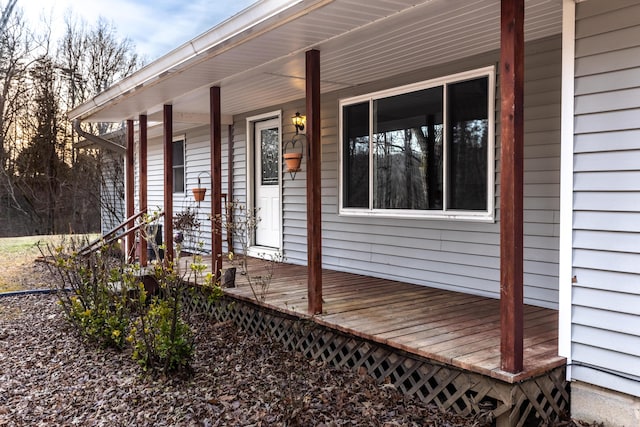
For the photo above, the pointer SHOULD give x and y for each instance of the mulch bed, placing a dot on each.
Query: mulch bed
(49, 377)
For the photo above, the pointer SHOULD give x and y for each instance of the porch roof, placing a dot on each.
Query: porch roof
(257, 57)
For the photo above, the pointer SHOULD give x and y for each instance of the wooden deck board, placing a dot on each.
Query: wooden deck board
(458, 329)
(400, 318)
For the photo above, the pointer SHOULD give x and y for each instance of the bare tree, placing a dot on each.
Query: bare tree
(16, 48)
(14, 52)
(93, 58)
(43, 177)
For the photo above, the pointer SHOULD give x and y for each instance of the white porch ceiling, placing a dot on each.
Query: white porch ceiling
(359, 42)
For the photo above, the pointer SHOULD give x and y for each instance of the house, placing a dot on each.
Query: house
(112, 197)
(435, 154)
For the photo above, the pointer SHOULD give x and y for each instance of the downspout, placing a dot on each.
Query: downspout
(101, 142)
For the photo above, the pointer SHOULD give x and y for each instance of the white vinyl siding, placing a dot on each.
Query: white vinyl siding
(605, 344)
(458, 255)
(155, 175)
(197, 162)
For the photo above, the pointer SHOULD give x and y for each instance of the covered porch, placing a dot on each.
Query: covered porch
(492, 344)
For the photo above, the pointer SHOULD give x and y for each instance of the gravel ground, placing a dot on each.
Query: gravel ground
(49, 378)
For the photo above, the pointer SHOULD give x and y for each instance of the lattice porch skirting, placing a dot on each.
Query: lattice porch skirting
(541, 400)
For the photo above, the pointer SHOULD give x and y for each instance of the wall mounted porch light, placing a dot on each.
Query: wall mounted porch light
(298, 122)
(293, 159)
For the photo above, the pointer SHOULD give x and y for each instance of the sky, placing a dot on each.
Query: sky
(155, 26)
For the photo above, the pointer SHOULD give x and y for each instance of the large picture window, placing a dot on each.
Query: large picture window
(424, 150)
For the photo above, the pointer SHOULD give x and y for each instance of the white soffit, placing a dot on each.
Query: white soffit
(359, 41)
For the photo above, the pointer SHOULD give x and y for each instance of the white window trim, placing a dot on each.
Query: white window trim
(444, 214)
(182, 138)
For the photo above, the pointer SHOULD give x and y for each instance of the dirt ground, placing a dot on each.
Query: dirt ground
(48, 377)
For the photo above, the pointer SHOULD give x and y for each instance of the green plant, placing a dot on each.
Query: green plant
(105, 325)
(105, 299)
(92, 291)
(161, 339)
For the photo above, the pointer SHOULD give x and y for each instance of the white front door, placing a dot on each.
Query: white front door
(267, 183)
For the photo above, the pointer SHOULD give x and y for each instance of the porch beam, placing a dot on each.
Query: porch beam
(314, 195)
(129, 191)
(142, 181)
(216, 177)
(511, 184)
(167, 118)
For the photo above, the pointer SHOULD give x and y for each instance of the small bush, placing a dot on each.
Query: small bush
(161, 340)
(92, 292)
(105, 300)
(106, 325)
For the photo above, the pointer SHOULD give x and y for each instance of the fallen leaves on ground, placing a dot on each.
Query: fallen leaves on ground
(48, 377)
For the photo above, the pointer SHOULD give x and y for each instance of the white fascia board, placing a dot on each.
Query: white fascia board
(221, 34)
(565, 275)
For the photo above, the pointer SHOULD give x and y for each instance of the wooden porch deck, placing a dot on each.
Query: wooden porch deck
(453, 328)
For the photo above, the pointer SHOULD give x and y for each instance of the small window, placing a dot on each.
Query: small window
(178, 166)
(424, 150)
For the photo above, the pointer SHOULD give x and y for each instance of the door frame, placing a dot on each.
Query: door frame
(253, 250)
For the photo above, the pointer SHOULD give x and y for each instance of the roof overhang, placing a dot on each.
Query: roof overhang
(257, 56)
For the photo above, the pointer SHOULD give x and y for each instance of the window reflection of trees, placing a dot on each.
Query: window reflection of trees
(468, 165)
(357, 190)
(409, 146)
(356, 159)
(408, 150)
(468, 136)
(408, 165)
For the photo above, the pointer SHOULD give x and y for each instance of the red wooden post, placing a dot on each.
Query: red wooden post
(129, 191)
(168, 181)
(511, 184)
(142, 181)
(229, 199)
(216, 177)
(314, 196)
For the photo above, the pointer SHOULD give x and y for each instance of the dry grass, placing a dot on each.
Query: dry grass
(18, 269)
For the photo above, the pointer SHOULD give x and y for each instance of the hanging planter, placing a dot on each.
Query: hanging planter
(292, 160)
(198, 193)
